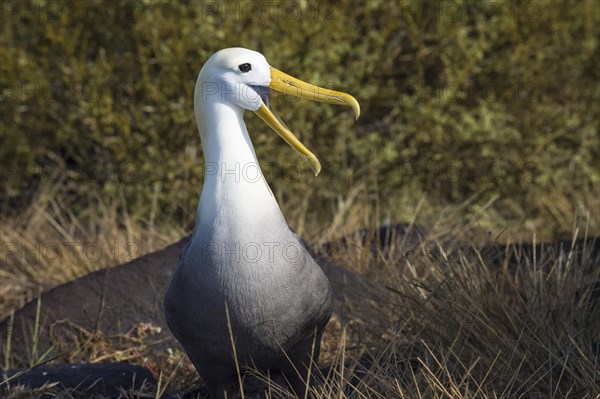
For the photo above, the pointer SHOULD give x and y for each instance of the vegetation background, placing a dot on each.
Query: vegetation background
(473, 113)
(492, 102)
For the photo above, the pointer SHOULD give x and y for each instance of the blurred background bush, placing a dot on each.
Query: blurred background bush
(490, 107)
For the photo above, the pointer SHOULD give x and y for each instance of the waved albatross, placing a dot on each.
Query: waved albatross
(246, 287)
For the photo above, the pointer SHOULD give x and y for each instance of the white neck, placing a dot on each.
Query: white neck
(235, 191)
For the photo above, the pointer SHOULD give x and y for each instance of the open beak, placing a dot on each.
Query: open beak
(284, 83)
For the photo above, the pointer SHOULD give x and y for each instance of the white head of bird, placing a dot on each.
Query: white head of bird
(238, 79)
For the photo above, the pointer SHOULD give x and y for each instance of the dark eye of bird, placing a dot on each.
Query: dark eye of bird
(245, 67)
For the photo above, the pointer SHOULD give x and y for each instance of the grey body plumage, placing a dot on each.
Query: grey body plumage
(278, 301)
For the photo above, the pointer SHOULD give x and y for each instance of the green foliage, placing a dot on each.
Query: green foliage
(497, 100)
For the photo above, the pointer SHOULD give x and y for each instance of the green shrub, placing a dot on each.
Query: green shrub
(492, 100)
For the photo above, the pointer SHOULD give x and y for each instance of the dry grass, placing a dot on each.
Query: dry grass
(48, 245)
(463, 327)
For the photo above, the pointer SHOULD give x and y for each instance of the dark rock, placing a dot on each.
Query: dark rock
(112, 301)
(402, 237)
(128, 298)
(101, 380)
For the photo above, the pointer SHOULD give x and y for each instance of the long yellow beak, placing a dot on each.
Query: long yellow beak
(284, 83)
